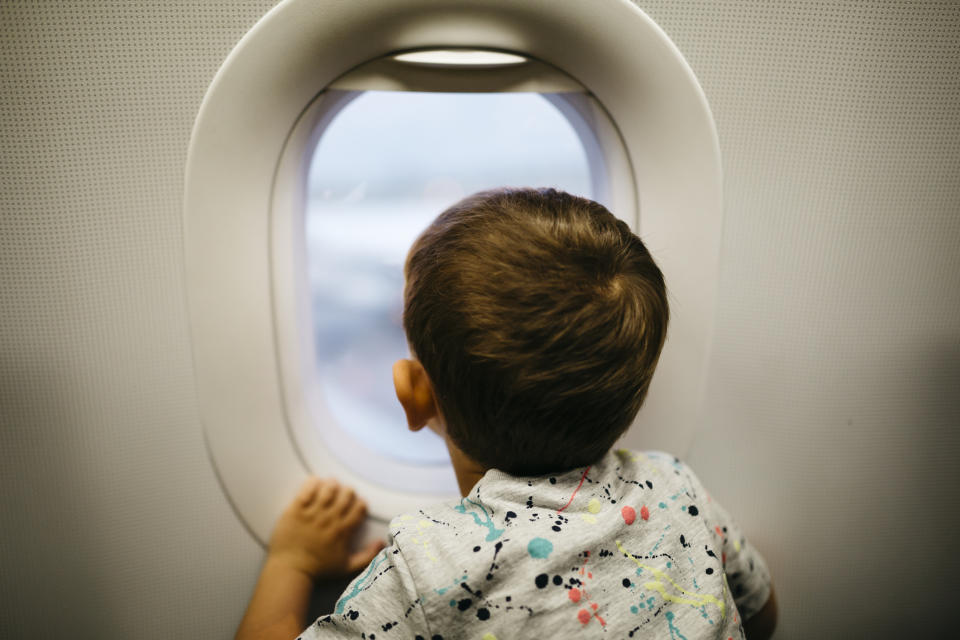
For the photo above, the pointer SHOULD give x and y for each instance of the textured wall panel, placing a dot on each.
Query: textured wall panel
(832, 397)
(833, 411)
(113, 523)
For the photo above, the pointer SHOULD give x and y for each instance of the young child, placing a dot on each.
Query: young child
(535, 320)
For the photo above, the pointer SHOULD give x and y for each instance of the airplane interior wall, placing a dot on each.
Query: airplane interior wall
(833, 393)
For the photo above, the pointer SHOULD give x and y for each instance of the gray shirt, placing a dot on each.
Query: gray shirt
(631, 547)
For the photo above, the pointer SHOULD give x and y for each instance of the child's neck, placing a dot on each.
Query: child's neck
(467, 471)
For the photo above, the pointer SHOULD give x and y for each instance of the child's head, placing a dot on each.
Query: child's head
(538, 318)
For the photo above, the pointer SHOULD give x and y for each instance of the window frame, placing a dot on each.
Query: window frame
(302, 46)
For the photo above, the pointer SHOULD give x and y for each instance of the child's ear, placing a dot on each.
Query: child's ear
(414, 392)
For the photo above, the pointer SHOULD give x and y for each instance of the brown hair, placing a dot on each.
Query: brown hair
(539, 318)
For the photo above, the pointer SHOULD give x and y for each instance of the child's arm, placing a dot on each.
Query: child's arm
(310, 541)
(761, 625)
(746, 570)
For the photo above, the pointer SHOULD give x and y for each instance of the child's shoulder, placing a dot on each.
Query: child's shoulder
(498, 497)
(519, 547)
(670, 469)
(654, 462)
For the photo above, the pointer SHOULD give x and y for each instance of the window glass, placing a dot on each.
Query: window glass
(386, 165)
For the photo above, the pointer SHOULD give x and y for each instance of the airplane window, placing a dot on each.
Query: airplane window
(384, 167)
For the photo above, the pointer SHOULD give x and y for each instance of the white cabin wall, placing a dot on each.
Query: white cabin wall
(114, 524)
(832, 409)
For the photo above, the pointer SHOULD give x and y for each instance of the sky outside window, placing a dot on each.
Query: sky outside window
(382, 171)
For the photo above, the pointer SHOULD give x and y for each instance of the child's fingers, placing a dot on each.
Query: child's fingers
(365, 556)
(343, 500)
(327, 492)
(307, 491)
(355, 514)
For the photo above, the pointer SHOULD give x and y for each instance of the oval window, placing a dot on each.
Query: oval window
(383, 168)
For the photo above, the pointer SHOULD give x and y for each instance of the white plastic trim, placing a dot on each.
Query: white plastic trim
(297, 49)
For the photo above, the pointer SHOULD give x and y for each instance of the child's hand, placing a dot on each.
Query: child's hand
(313, 534)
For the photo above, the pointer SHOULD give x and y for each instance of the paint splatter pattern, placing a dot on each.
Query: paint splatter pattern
(632, 547)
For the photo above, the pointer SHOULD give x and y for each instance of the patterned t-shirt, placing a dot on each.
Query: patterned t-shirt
(631, 547)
